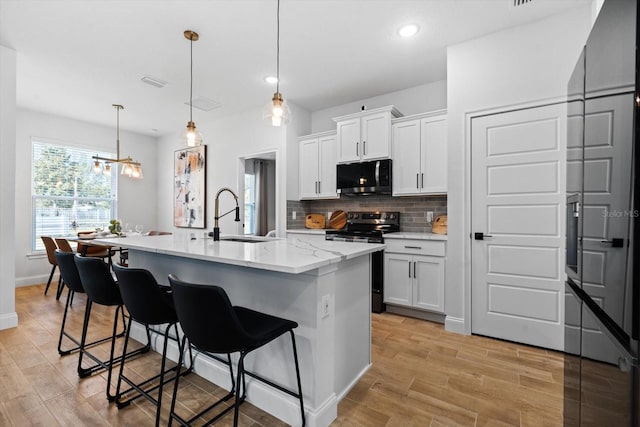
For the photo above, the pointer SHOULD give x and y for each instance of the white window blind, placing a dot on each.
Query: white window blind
(67, 196)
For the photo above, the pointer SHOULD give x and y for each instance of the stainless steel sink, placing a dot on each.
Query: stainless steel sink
(247, 239)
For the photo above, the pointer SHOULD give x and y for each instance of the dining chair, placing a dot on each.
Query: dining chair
(213, 326)
(64, 245)
(50, 246)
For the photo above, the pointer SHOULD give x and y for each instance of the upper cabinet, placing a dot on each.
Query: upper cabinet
(365, 135)
(419, 153)
(318, 159)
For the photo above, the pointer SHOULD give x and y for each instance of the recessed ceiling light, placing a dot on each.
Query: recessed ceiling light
(153, 81)
(408, 30)
(271, 80)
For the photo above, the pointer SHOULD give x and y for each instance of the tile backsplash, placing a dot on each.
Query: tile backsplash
(413, 210)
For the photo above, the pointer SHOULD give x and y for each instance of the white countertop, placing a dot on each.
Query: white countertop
(415, 236)
(396, 235)
(284, 255)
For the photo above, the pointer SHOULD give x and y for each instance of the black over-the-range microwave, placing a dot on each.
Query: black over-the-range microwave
(365, 178)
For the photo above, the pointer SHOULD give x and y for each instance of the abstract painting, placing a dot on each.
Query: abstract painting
(189, 189)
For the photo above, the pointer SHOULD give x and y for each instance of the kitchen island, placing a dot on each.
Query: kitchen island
(322, 285)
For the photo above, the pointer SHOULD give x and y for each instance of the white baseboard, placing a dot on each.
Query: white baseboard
(454, 324)
(270, 400)
(36, 280)
(9, 320)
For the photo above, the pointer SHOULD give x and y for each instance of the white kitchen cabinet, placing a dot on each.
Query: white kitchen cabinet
(318, 159)
(365, 135)
(419, 153)
(412, 279)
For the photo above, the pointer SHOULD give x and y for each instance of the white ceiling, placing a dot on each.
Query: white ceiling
(76, 58)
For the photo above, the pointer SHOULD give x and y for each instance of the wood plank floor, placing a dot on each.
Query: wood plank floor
(421, 376)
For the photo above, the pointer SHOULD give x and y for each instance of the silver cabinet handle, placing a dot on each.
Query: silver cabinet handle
(422, 180)
(417, 180)
(413, 247)
(319, 187)
(409, 268)
(364, 148)
(414, 269)
(357, 152)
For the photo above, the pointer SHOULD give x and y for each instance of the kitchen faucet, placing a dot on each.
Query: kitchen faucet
(216, 228)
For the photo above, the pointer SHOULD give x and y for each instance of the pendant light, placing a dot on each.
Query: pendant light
(191, 137)
(277, 110)
(130, 167)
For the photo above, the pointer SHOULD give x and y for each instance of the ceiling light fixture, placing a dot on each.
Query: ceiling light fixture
(408, 30)
(130, 167)
(191, 136)
(277, 110)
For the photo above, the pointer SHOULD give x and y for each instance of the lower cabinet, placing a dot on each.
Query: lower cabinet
(415, 281)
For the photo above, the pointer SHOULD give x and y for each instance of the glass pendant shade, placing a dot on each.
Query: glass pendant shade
(191, 136)
(277, 111)
(97, 167)
(107, 169)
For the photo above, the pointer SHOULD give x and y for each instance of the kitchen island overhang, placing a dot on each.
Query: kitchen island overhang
(289, 278)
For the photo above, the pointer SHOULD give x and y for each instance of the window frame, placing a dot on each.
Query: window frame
(36, 243)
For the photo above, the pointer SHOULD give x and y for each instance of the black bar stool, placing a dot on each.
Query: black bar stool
(100, 287)
(214, 326)
(148, 303)
(71, 278)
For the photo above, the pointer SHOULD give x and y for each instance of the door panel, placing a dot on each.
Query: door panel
(518, 199)
(308, 168)
(328, 148)
(434, 155)
(397, 280)
(429, 283)
(376, 136)
(406, 157)
(348, 140)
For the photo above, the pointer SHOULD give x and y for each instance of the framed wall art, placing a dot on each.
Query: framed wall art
(189, 188)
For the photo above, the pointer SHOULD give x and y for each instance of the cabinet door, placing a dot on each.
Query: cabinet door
(328, 152)
(398, 287)
(349, 140)
(376, 136)
(434, 155)
(406, 157)
(308, 168)
(428, 291)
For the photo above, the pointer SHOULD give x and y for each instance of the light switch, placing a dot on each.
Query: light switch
(430, 217)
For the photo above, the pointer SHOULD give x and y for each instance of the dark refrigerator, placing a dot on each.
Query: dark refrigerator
(602, 294)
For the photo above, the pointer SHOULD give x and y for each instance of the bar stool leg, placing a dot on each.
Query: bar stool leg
(295, 358)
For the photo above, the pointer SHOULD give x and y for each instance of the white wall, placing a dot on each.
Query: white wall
(8, 316)
(413, 100)
(521, 65)
(136, 198)
(228, 140)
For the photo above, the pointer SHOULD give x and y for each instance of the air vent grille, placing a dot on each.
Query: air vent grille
(153, 81)
(205, 104)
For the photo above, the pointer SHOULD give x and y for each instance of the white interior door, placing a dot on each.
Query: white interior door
(518, 200)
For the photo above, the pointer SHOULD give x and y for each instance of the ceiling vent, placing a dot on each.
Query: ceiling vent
(521, 2)
(204, 104)
(153, 81)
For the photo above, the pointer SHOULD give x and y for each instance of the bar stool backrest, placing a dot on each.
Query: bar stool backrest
(97, 280)
(207, 317)
(68, 270)
(143, 297)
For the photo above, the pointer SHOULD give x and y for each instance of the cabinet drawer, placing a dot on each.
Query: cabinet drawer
(418, 247)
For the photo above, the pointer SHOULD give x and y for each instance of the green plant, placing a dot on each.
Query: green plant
(114, 226)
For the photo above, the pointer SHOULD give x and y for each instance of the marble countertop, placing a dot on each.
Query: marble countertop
(284, 255)
(397, 235)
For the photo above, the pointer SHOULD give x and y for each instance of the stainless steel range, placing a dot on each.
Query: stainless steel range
(367, 227)
(370, 227)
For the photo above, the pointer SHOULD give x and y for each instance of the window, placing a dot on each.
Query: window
(67, 196)
(249, 203)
